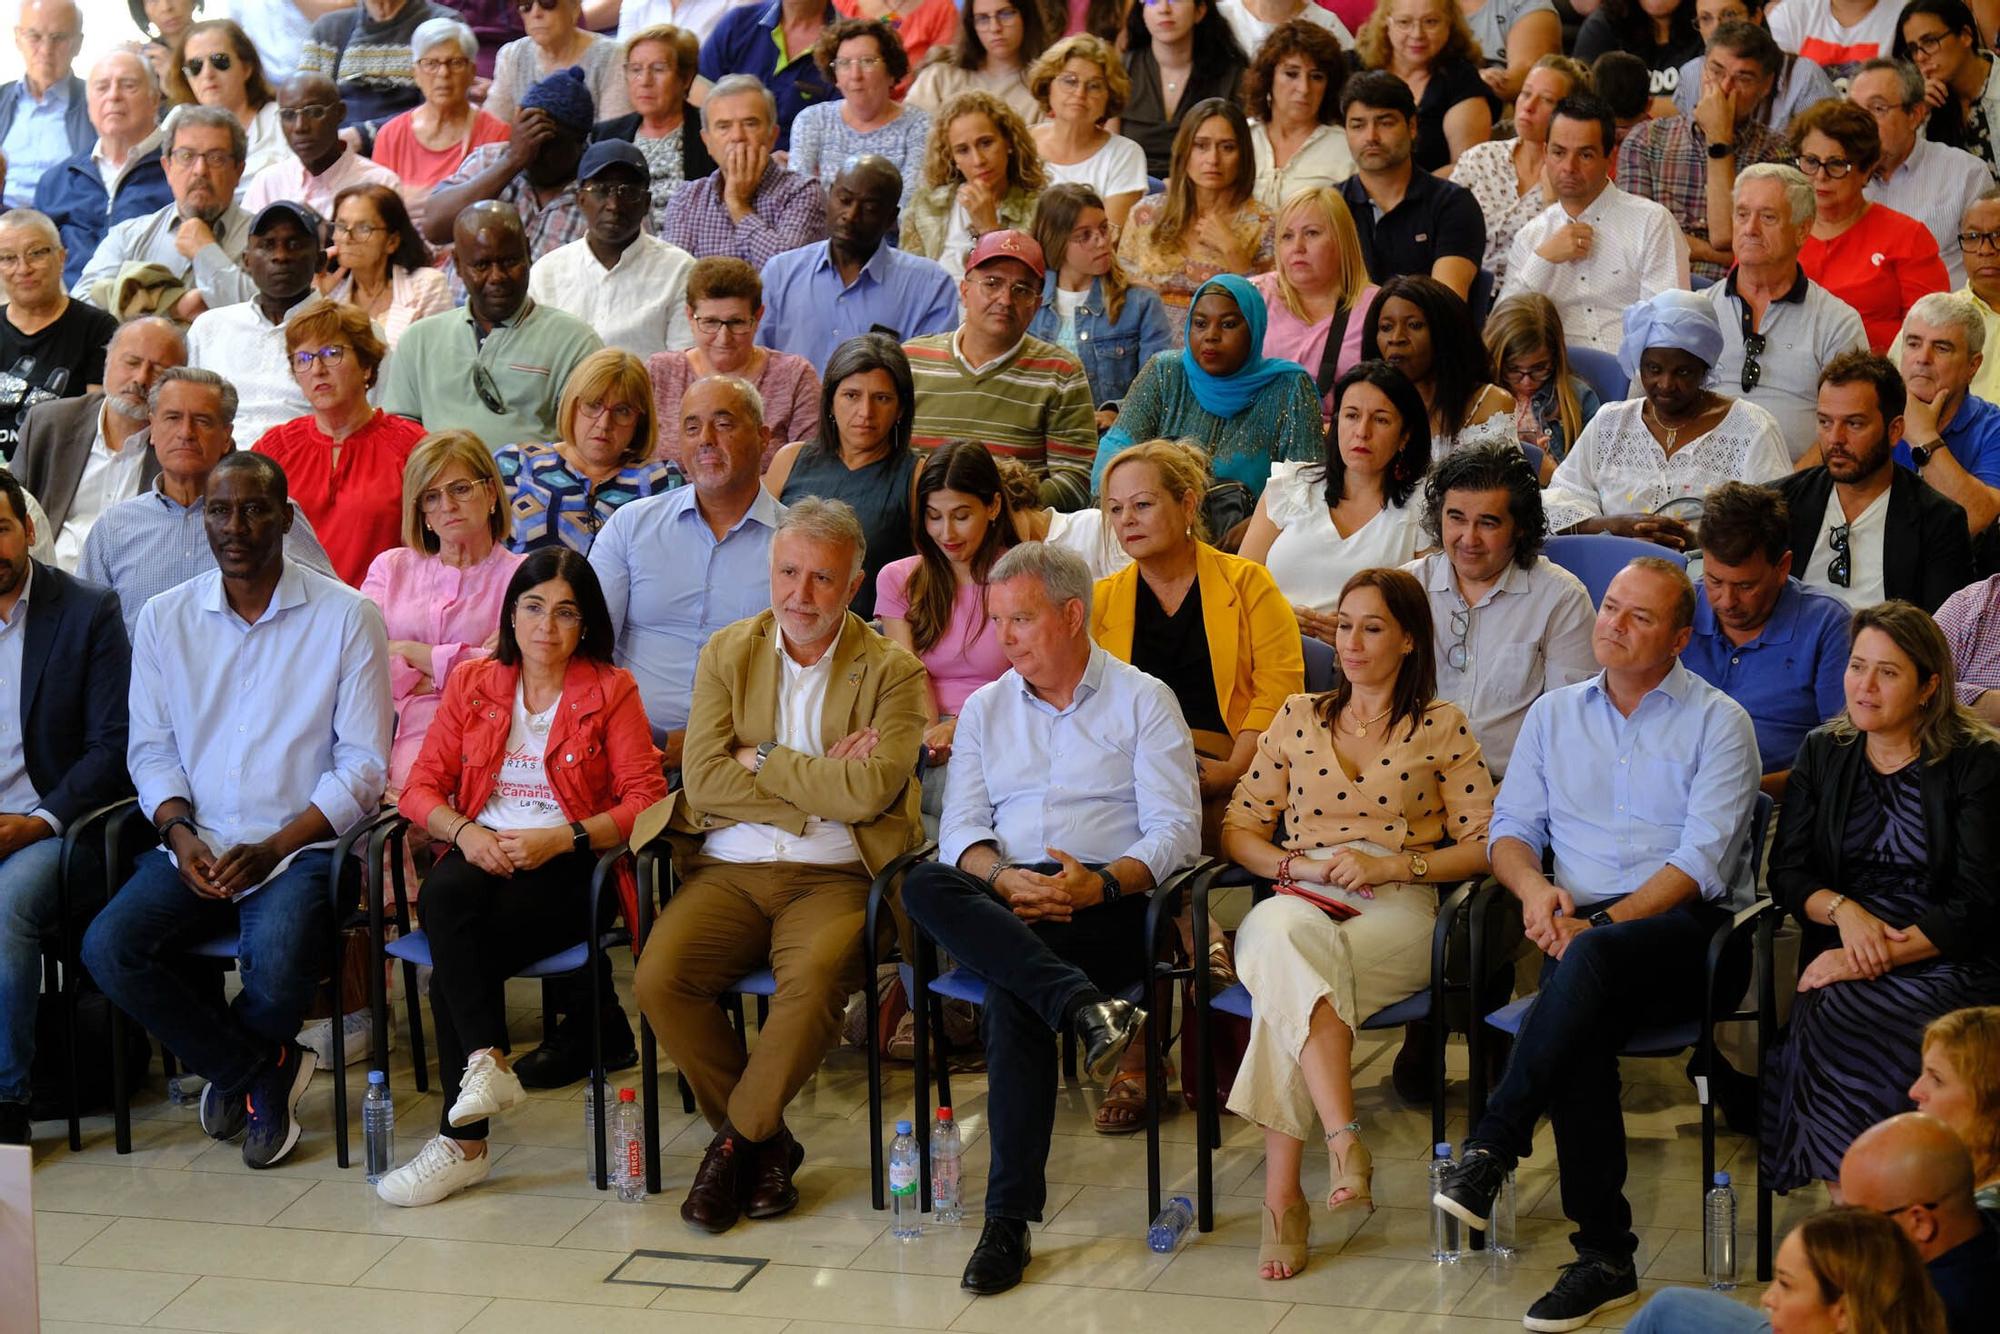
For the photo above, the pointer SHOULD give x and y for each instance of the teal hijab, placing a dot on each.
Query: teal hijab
(1227, 395)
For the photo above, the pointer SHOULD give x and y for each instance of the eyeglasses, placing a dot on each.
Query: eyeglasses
(357, 231)
(859, 64)
(303, 359)
(1929, 44)
(1879, 109)
(1461, 625)
(220, 62)
(215, 159)
(457, 493)
(735, 326)
(1840, 570)
(1070, 83)
(1979, 240)
(623, 193)
(453, 64)
(622, 413)
(1835, 167)
(1915, 1204)
(1753, 348)
(1427, 22)
(999, 18)
(489, 392)
(658, 69)
(36, 37)
(312, 113)
(40, 255)
(1535, 374)
(992, 284)
(566, 618)
(1108, 233)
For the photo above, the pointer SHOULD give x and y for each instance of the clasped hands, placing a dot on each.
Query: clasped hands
(240, 868)
(1863, 953)
(1037, 896)
(1549, 915)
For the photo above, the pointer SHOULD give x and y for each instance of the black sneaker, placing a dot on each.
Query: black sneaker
(222, 1118)
(1585, 1287)
(272, 1104)
(1470, 1187)
(14, 1127)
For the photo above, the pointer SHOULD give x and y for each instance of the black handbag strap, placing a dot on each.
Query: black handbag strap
(1329, 357)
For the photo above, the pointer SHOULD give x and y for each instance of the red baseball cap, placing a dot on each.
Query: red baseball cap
(1007, 244)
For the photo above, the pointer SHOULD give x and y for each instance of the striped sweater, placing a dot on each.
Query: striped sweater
(1033, 405)
(370, 61)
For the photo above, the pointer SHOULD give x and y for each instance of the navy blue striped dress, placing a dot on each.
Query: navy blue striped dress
(1852, 1050)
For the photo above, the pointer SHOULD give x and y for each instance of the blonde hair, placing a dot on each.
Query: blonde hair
(434, 454)
(1570, 68)
(1862, 1258)
(1082, 46)
(684, 44)
(612, 374)
(1372, 42)
(1333, 211)
(1183, 469)
(1969, 1040)
(1523, 325)
(1024, 160)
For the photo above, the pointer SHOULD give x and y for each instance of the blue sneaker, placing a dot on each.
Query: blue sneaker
(272, 1103)
(222, 1118)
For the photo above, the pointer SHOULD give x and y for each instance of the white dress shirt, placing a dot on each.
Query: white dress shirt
(107, 479)
(252, 723)
(1936, 185)
(640, 304)
(801, 699)
(1636, 252)
(244, 347)
(17, 791)
(1864, 551)
(1617, 467)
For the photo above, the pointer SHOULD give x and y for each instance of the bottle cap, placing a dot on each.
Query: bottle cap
(377, 1077)
(902, 1127)
(628, 1095)
(1722, 1178)
(944, 1116)
(1442, 1149)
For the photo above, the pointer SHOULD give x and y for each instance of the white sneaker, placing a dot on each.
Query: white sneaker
(357, 1037)
(439, 1172)
(486, 1090)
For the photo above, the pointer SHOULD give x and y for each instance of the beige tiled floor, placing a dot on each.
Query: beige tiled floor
(178, 1235)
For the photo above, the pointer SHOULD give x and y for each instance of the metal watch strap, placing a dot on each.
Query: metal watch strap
(763, 753)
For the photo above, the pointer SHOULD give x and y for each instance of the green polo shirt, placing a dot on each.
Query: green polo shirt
(434, 373)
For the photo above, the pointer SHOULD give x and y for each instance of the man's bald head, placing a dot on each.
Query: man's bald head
(309, 112)
(489, 216)
(490, 249)
(47, 34)
(1913, 1168)
(861, 205)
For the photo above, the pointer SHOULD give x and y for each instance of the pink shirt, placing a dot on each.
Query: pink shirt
(789, 386)
(454, 611)
(966, 656)
(288, 179)
(1288, 336)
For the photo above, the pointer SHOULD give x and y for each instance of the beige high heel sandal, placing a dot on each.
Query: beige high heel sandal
(1352, 1171)
(1285, 1239)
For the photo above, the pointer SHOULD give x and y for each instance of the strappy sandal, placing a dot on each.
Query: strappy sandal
(1353, 1171)
(1122, 1110)
(1284, 1241)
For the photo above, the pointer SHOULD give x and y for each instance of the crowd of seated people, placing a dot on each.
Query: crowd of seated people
(800, 431)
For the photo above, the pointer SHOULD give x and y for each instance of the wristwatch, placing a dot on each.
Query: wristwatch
(1721, 151)
(1600, 918)
(579, 837)
(1419, 868)
(763, 753)
(1112, 889)
(1921, 454)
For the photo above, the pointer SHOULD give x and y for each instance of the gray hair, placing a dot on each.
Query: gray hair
(1906, 75)
(819, 519)
(744, 390)
(148, 322)
(194, 116)
(1065, 578)
(27, 217)
(130, 53)
(734, 85)
(435, 32)
(1946, 308)
(224, 390)
(1798, 190)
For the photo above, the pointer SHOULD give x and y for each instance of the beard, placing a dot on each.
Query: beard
(127, 409)
(11, 575)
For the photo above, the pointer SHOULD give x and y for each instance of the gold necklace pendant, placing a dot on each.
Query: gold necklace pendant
(1361, 729)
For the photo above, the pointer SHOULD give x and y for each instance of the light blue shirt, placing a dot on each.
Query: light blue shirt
(214, 271)
(810, 311)
(17, 791)
(1112, 775)
(251, 723)
(1617, 798)
(37, 141)
(140, 548)
(670, 585)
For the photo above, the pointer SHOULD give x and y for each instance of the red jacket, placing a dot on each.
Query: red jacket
(601, 757)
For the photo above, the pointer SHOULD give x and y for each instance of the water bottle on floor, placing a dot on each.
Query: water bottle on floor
(628, 1148)
(378, 1127)
(1719, 1235)
(184, 1090)
(590, 1131)
(1500, 1243)
(904, 1169)
(1167, 1230)
(946, 1204)
(1446, 1243)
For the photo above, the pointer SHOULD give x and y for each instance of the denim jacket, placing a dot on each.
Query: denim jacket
(1111, 353)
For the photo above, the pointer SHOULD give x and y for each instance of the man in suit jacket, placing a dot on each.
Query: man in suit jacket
(65, 668)
(81, 456)
(799, 770)
(1864, 527)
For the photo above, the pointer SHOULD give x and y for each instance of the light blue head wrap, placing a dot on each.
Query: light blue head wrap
(1674, 318)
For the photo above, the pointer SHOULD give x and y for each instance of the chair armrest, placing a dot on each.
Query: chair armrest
(600, 876)
(118, 829)
(343, 848)
(1449, 907)
(1164, 902)
(878, 890)
(81, 827)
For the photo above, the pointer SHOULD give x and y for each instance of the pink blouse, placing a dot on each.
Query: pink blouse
(966, 656)
(454, 611)
(789, 385)
(1288, 336)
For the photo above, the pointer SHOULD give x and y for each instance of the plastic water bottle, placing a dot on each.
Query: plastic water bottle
(1719, 1235)
(946, 1205)
(1500, 1243)
(184, 1089)
(628, 1148)
(590, 1131)
(904, 1167)
(378, 1127)
(1447, 1245)
(1167, 1230)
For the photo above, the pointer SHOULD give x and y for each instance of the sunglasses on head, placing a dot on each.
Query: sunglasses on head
(192, 66)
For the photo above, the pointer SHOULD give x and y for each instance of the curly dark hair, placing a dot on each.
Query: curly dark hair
(1406, 471)
(887, 43)
(1305, 39)
(1460, 367)
(1493, 468)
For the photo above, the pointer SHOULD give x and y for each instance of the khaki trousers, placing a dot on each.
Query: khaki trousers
(726, 920)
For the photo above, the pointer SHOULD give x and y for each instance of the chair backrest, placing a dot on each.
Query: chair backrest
(1596, 558)
(1319, 664)
(1479, 297)
(1603, 372)
(1760, 829)
(1534, 453)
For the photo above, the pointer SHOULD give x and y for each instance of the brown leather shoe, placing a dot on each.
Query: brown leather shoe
(711, 1202)
(767, 1180)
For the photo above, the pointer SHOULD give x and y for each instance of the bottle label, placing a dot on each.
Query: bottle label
(902, 1178)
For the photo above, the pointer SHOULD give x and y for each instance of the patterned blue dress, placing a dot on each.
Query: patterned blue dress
(552, 504)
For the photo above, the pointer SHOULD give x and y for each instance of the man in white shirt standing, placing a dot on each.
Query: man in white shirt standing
(630, 287)
(1931, 182)
(1597, 249)
(260, 725)
(80, 456)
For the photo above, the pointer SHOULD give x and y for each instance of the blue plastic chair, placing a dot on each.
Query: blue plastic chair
(1596, 558)
(1155, 186)
(1321, 666)
(1603, 372)
(1534, 453)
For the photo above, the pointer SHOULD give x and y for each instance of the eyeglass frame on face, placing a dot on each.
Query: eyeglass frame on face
(357, 231)
(565, 617)
(431, 500)
(1069, 82)
(1108, 233)
(215, 159)
(34, 255)
(1510, 372)
(1970, 241)
(547, 6)
(859, 64)
(448, 64)
(623, 192)
(311, 112)
(989, 285)
(624, 414)
(659, 69)
(221, 60)
(329, 356)
(1427, 22)
(35, 37)
(1813, 166)
(735, 325)
(1930, 42)
(999, 18)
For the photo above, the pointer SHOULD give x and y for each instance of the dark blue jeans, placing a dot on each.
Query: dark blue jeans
(134, 949)
(27, 913)
(1033, 972)
(1611, 982)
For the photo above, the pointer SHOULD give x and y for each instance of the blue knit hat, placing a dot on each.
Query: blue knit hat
(566, 97)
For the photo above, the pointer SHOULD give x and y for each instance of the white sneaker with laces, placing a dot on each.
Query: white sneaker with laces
(486, 1090)
(440, 1171)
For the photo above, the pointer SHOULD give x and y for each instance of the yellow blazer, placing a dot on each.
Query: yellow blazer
(1253, 636)
(874, 682)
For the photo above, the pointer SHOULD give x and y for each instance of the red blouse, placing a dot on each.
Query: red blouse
(1879, 266)
(356, 505)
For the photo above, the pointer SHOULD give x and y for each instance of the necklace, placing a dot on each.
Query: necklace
(1361, 728)
(1673, 432)
(539, 723)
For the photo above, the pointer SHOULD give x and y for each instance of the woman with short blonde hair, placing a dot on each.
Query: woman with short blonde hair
(1320, 283)
(1080, 84)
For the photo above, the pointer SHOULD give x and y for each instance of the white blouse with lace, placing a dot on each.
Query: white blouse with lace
(1310, 560)
(1617, 467)
(1487, 170)
(1498, 429)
